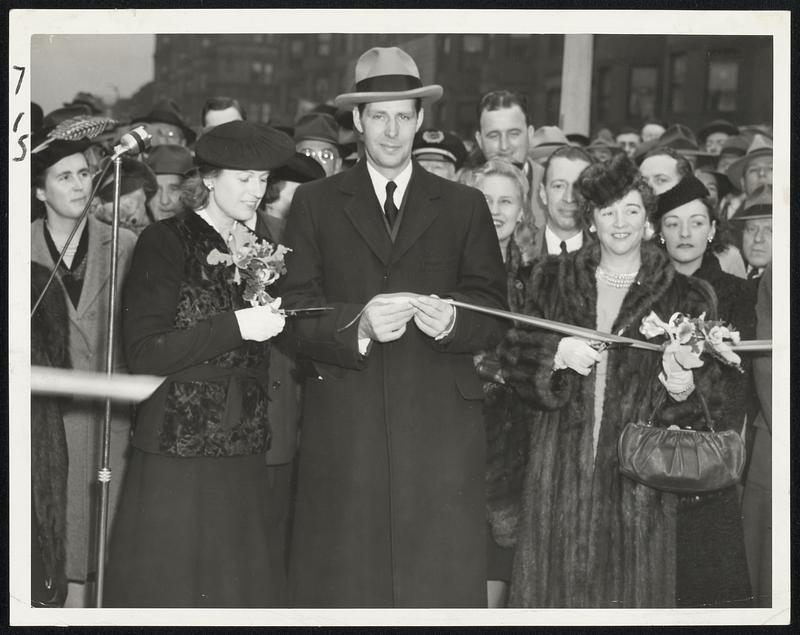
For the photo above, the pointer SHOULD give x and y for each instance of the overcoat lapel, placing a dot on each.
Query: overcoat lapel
(98, 267)
(362, 208)
(420, 211)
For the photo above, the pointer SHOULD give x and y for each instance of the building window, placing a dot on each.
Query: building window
(677, 82)
(297, 49)
(643, 85)
(324, 44)
(321, 88)
(518, 46)
(205, 42)
(446, 44)
(552, 103)
(269, 72)
(266, 112)
(723, 82)
(472, 43)
(258, 38)
(604, 92)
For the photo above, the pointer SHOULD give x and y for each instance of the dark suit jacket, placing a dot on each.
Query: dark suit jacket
(390, 502)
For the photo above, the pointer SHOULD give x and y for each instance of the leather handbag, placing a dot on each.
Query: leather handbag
(681, 461)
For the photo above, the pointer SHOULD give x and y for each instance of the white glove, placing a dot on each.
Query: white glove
(678, 380)
(260, 323)
(575, 353)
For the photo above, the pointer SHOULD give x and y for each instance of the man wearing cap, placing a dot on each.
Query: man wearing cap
(628, 139)
(169, 163)
(505, 130)
(166, 125)
(62, 183)
(439, 152)
(564, 231)
(712, 137)
(390, 508)
(317, 136)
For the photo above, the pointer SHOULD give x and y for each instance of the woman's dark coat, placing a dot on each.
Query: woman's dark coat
(585, 535)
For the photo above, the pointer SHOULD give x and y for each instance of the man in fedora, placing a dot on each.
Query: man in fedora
(390, 507)
(546, 140)
(755, 221)
(170, 164)
(713, 136)
(754, 169)
(316, 135)
(166, 125)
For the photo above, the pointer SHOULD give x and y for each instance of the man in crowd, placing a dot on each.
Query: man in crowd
(663, 168)
(166, 125)
(754, 169)
(505, 130)
(439, 152)
(713, 136)
(170, 164)
(390, 507)
(564, 231)
(652, 129)
(218, 110)
(546, 140)
(317, 136)
(628, 139)
(755, 218)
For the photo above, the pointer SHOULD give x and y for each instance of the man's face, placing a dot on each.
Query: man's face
(164, 134)
(557, 194)
(757, 242)
(216, 117)
(132, 211)
(388, 128)
(758, 172)
(725, 160)
(711, 185)
(628, 141)
(715, 141)
(167, 201)
(652, 131)
(324, 153)
(445, 169)
(67, 185)
(503, 133)
(661, 172)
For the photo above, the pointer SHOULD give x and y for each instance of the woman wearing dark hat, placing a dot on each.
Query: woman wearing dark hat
(711, 564)
(62, 185)
(587, 536)
(197, 527)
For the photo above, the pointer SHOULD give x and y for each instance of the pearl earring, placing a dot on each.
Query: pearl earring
(592, 229)
(209, 186)
(661, 238)
(710, 238)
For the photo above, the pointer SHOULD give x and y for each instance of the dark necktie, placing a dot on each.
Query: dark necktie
(389, 208)
(754, 273)
(563, 247)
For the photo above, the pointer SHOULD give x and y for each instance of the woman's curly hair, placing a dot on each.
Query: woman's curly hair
(601, 184)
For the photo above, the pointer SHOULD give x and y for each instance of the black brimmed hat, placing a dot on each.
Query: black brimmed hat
(718, 125)
(170, 159)
(54, 152)
(438, 144)
(242, 145)
(299, 169)
(167, 111)
(317, 126)
(134, 175)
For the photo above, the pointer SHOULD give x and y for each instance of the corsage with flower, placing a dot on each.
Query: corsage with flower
(688, 339)
(256, 262)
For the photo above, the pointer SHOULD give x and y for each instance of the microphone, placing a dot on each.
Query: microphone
(133, 142)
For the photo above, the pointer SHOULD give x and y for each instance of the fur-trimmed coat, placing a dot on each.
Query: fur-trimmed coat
(585, 535)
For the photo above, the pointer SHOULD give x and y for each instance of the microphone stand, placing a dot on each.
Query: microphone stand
(104, 473)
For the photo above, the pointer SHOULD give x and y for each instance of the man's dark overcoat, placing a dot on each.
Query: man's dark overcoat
(390, 501)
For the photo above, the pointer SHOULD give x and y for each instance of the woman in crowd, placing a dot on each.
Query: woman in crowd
(711, 565)
(506, 190)
(197, 527)
(62, 184)
(585, 535)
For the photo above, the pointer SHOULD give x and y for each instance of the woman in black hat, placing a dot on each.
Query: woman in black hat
(711, 566)
(197, 527)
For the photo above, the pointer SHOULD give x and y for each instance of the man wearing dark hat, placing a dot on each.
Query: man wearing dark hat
(628, 139)
(138, 186)
(166, 125)
(62, 183)
(712, 137)
(439, 152)
(170, 164)
(316, 135)
(755, 219)
(390, 508)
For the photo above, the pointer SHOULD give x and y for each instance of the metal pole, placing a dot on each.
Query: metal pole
(104, 473)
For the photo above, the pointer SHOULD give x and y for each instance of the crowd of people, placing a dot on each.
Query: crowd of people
(391, 447)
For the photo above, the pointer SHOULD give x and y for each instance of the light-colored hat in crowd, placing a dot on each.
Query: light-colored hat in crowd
(547, 140)
(761, 146)
(387, 74)
(756, 206)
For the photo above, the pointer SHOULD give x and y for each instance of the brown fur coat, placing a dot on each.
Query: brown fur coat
(585, 535)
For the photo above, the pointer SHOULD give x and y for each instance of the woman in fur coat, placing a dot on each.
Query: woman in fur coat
(585, 535)
(198, 525)
(711, 565)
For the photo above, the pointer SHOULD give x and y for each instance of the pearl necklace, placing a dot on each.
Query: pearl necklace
(616, 280)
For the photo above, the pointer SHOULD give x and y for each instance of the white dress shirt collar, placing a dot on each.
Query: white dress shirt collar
(554, 242)
(379, 184)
